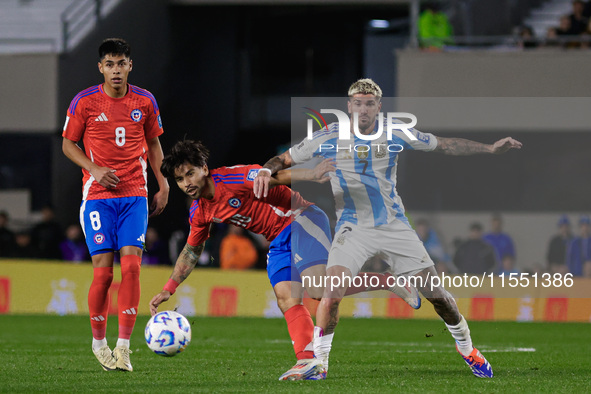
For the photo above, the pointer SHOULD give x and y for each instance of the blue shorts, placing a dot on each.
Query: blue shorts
(302, 244)
(113, 223)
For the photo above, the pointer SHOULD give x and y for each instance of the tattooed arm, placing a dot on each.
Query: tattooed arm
(318, 174)
(463, 147)
(185, 263)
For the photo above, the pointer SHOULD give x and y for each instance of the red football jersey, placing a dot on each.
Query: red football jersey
(114, 132)
(234, 203)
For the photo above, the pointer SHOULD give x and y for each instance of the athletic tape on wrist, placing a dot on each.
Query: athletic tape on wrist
(171, 286)
(266, 169)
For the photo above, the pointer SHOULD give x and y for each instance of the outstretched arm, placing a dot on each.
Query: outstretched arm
(318, 174)
(185, 263)
(463, 147)
(274, 165)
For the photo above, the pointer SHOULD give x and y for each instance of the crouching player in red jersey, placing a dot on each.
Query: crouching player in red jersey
(119, 125)
(291, 223)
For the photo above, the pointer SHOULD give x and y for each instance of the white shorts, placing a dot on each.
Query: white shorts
(396, 242)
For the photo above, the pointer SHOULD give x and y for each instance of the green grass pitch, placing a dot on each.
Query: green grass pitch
(52, 354)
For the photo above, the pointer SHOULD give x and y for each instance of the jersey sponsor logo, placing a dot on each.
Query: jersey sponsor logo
(101, 118)
(252, 174)
(136, 115)
(235, 202)
(99, 238)
(240, 220)
(159, 121)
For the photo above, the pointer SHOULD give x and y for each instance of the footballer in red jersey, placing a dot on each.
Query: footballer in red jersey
(119, 125)
(299, 233)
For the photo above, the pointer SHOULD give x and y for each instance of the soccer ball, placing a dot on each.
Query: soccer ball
(168, 333)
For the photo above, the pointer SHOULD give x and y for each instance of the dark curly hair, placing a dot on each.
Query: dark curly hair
(187, 151)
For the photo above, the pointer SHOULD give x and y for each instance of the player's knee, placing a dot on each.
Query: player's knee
(103, 276)
(131, 264)
(286, 303)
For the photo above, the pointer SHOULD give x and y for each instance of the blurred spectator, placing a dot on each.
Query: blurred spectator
(435, 31)
(564, 27)
(74, 246)
(434, 247)
(47, 235)
(578, 253)
(563, 31)
(586, 36)
(7, 238)
(551, 39)
(501, 242)
(536, 268)
(237, 250)
(578, 22)
(475, 256)
(24, 248)
(508, 267)
(556, 255)
(156, 250)
(527, 39)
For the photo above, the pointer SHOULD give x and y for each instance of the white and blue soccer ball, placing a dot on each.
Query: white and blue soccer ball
(168, 333)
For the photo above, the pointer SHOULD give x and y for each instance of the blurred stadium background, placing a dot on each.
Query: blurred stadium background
(224, 72)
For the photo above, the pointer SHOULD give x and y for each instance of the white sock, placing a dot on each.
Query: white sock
(123, 342)
(98, 343)
(322, 345)
(461, 333)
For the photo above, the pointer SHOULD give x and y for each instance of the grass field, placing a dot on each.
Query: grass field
(52, 354)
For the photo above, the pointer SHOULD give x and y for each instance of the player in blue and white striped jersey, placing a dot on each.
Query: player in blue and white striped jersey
(371, 219)
(364, 183)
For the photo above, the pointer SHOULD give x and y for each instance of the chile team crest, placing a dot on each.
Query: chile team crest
(136, 115)
(235, 202)
(99, 238)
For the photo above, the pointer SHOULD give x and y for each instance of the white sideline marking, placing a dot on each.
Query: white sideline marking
(444, 347)
(510, 349)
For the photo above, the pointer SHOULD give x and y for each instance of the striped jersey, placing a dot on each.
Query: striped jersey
(364, 183)
(114, 132)
(234, 203)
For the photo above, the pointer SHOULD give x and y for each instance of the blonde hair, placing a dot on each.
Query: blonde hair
(365, 86)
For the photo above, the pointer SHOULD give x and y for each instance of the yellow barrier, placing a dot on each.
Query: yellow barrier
(28, 287)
